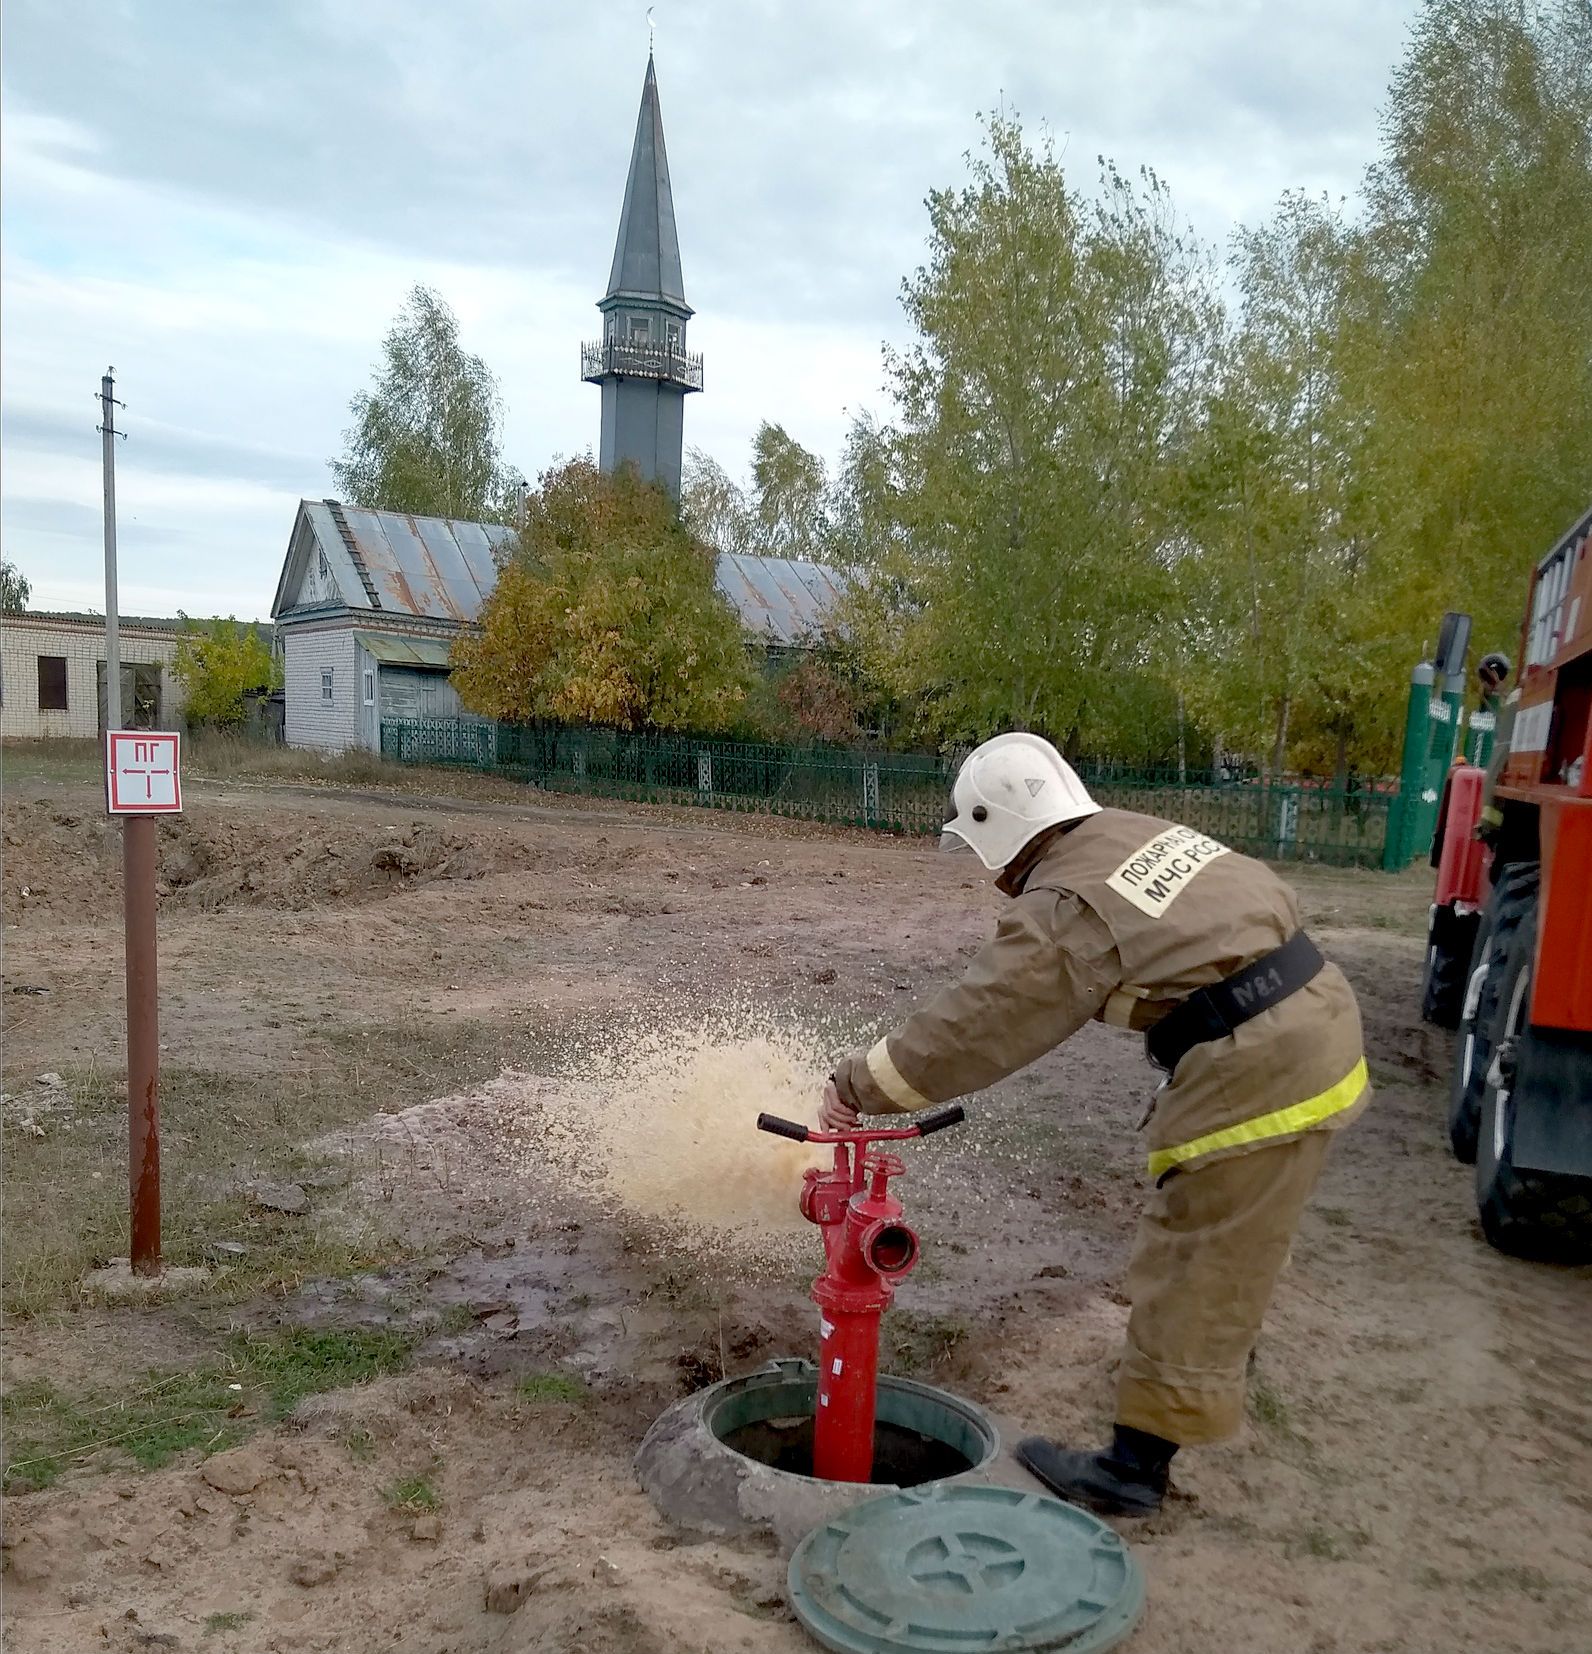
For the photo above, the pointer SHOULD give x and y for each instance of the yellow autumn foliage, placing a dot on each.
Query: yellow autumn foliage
(605, 612)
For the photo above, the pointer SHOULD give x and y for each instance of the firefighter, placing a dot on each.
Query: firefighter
(1492, 672)
(1156, 928)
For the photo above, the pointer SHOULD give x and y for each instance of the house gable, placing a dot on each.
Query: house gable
(430, 570)
(319, 574)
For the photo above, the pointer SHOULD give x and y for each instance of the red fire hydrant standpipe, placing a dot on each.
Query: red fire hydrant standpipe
(867, 1250)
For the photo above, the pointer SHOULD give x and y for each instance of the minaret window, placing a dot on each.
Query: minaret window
(674, 335)
(640, 330)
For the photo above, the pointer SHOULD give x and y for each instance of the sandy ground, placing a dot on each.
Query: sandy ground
(1416, 1475)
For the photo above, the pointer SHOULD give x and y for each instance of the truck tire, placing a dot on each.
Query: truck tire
(1530, 1214)
(1472, 1044)
(1450, 941)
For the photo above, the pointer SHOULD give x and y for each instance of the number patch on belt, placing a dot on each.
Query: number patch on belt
(1157, 873)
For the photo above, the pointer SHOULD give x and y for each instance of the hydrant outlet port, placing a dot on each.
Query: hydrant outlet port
(892, 1248)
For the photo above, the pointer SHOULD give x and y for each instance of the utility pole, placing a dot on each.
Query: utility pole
(139, 857)
(113, 643)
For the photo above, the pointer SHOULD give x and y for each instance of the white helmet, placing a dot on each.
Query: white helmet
(1007, 792)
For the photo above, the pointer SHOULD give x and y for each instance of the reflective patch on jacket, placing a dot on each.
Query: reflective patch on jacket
(881, 1065)
(1267, 1128)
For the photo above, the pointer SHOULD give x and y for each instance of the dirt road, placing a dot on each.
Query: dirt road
(1417, 1470)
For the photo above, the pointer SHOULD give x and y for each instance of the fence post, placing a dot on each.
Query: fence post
(870, 792)
(1398, 851)
(1287, 820)
(705, 774)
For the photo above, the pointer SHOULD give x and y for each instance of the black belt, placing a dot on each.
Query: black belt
(1214, 1012)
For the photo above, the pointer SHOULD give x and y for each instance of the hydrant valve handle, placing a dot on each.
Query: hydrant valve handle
(951, 1115)
(793, 1129)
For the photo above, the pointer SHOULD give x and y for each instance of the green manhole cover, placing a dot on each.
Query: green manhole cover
(957, 1568)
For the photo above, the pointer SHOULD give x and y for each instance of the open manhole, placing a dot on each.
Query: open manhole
(901, 1457)
(920, 1435)
(739, 1454)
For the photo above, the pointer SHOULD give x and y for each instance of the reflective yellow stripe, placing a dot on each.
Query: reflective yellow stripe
(1279, 1123)
(888, 1078)
(1117, 1012)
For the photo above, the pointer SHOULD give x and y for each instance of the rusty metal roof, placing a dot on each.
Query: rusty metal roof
(439, 569)
(432, 567)
(783, 599)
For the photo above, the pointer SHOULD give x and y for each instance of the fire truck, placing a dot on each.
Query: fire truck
(1509, 952)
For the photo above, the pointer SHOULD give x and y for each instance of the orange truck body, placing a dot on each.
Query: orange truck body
(1549, 765)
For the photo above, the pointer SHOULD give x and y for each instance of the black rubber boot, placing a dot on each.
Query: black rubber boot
(1128, 1478)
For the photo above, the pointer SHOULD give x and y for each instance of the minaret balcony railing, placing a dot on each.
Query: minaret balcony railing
(640, 360)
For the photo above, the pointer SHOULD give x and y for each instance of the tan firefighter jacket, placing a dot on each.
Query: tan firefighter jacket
(1120, 918)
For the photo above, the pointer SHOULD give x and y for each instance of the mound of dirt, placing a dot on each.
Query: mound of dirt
(66, 863)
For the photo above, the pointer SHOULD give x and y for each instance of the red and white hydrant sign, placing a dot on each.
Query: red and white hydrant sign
(142, 776)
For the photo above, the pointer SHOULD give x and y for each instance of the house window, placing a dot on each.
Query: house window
(52, 683)
(370, 686)
(326, 683)
(640, 330)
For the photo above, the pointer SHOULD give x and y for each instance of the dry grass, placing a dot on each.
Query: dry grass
(207, 756)
(254, 1380)
(1358, 898)
(221, 1129)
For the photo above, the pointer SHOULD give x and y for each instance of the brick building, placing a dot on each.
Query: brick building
(52, 675)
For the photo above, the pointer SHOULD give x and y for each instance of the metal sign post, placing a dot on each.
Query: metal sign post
(143, 779)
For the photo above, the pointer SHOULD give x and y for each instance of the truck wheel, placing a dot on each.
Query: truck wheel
(1528, 1213)
(1450, 939)
(1473, 1046)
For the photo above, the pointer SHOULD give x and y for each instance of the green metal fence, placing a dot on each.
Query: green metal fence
(1291, 820)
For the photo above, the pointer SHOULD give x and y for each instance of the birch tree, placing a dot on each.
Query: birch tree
(1059, 364)
(426, 438)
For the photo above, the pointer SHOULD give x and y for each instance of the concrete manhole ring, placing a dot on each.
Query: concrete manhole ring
(726, 1459)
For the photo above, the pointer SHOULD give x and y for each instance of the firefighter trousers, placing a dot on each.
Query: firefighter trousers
(1210, 1247)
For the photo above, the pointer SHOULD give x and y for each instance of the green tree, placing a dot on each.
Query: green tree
(218, 662)
(1015, 529)
(1479, 400)
(714, 506)
(426, 438)
(15, 589)
(606, 612)
(1269, 495)
(790, 496)
(783, 513)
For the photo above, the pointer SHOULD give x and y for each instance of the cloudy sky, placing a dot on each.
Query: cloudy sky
(229, 200)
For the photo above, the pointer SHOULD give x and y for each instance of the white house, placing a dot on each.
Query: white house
(370, 602)
(367, 608)
(52, 676)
